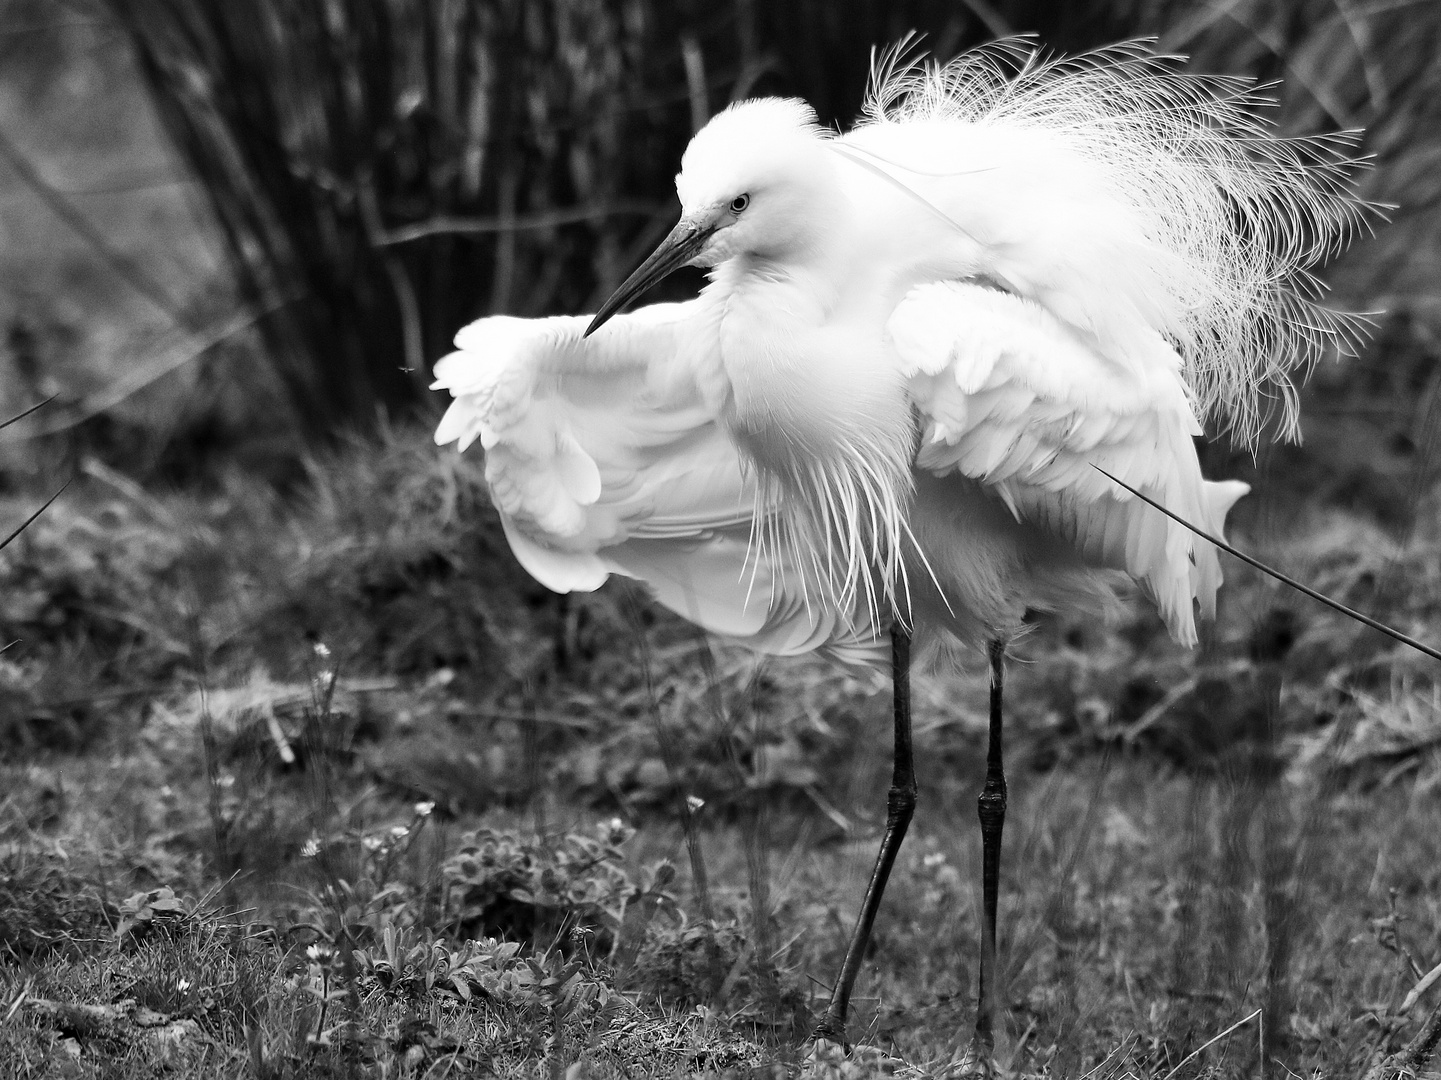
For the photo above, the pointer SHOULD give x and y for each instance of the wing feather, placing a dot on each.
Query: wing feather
(1010, 395)
(605, 455)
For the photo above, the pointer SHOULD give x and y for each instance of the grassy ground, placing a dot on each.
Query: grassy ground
(311, 784)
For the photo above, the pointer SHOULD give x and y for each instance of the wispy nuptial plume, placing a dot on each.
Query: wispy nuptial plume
(1238, 216)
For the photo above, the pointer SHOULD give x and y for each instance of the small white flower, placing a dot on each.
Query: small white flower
(694, 803)
(322, 650)
(183, 985)
(313, 952)
(372, 843)
(423, 809)
(399, 831)
(310, 848)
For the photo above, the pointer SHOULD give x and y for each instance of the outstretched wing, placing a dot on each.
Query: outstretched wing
(1011, 396)
(604, 455)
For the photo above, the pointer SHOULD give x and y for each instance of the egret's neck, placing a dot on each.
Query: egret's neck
(801, 371)
(820, 409)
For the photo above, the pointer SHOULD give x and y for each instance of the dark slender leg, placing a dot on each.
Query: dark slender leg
(992, 809)
(900, 805)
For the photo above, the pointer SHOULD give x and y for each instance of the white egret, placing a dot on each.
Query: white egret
(917, 340)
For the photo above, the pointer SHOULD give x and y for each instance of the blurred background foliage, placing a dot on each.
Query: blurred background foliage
(247, 225)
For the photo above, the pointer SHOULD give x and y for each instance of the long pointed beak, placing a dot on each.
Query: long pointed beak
(678, 248)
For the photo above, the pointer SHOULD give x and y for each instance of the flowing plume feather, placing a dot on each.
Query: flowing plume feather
(1239, 215)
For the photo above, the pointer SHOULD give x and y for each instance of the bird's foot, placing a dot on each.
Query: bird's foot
(829, 1033)
(830, 1060)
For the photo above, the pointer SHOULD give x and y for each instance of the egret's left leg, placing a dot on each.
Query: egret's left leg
(991, 807)
(900, 806)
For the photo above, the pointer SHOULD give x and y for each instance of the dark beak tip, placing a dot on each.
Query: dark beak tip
(674, 251)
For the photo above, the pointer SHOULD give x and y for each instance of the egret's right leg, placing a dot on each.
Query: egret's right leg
(900, 806)
(991, 807)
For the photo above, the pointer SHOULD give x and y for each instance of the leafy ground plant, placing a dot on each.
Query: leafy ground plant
(180, 986)
(393, 853)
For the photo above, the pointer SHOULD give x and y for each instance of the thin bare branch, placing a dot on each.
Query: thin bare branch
(1306, 590)
(27, 412)
(140, 376)
(486, 226)
(123, 265)
(30, 520)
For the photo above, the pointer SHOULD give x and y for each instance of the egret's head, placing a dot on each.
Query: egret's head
(754, 181)
(750, 177)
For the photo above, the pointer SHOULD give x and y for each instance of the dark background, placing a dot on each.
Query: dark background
(361, 179)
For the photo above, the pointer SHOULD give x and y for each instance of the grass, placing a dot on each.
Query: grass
(294, 788)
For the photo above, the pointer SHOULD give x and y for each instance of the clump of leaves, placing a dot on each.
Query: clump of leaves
(416, 964)
(715, 964)
(745, 733)
(501, 884)
(689, 965)
(155, 910)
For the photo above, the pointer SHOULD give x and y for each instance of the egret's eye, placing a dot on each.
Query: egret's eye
(739, 203)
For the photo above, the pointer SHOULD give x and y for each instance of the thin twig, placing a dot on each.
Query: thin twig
(1214, 1039)
(1118, 1053)
(1133, 731)
(142, 375)
(30, 520)
(1427, 981)
(1320, 597)
(484, 226)
(27, 412)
